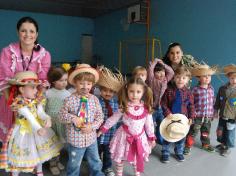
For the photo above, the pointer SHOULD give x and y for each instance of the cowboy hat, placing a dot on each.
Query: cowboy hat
(174, 127)
(230, 69)
(202, 70)
(110, 80)
(83, 68)
(24, 78)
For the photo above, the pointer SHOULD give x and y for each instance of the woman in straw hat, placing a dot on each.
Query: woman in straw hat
(203, 94)
(225, 106)
(109, 84)
(31, 141)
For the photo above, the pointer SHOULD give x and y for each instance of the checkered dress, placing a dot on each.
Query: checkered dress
(203, 101)
(187, 104)
(95, 117)
(106, 138)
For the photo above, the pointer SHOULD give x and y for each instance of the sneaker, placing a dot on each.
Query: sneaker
(165, 158)
(109, 172)
(187, 150)
(218, 147)
(180, 157)
(225, 151)
(208, 148)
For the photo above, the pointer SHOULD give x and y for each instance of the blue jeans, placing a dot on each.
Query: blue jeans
(225, 136)
(75, 158)
(104, 152)
(179, 147)
(158, 117)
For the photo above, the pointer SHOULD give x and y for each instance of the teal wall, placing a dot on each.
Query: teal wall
(206, 29)
(60, 35)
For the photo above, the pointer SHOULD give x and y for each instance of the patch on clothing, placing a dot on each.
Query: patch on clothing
(232, 101)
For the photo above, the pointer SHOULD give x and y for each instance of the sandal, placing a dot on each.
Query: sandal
(54, 170)
(60, 166)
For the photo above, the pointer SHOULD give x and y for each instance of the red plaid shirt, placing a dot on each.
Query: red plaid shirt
(187, 105)
(203, 101)
(95, 117)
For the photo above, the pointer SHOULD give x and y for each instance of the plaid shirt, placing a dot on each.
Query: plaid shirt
(187, 105)
(95, 117)
(203, 101)
(106, 138)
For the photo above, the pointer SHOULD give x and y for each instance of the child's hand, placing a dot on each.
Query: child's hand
(42, 132)
(48, 123)
(169, 115)
(99, 133)
(216, 114)
(76, 121)
(152, 144)
(86, 128)
(190, 121)
(159, 61)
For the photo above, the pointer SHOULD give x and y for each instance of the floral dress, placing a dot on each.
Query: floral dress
(26, 149)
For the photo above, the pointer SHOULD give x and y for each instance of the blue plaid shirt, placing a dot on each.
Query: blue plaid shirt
(106, 138)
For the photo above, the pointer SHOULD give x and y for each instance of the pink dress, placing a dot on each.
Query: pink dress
(136, 131)
(11, 63)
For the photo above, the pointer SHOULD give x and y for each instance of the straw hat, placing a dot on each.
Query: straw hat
(110, 80)
(230, 69)
(174, 127)
(201, 70)
(83, 68)
(24, 78)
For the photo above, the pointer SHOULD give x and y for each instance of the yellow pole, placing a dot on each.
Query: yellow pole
(120, 55)
(153, 48)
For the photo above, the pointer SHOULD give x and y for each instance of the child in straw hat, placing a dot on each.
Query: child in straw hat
(177, 99)
(82, 114)
(109, 84)
(204, 101)
(226, 106)
(31, 141)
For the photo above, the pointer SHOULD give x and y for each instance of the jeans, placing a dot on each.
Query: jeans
(75, 158)
(158, 117)
(225, 136)
(179, 147)
(104, 152)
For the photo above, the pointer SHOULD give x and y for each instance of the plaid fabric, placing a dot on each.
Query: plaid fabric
(95, 117)
(106, 138)
(187, 105)
(203, 101)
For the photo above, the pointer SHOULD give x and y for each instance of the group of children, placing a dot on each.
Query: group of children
(118, 124)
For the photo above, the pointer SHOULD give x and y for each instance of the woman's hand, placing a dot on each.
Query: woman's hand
(152, 144)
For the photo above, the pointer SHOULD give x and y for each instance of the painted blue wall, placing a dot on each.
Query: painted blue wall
(109, 31)
(206, 29)
(60, 35)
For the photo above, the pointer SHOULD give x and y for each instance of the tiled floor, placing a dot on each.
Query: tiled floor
(199, 163)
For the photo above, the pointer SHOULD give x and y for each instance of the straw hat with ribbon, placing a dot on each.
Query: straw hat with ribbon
(83, 68)
(230, 69)
(21, 79)
(110, 80)
(24, 78)
(174, 127)
(202, 70)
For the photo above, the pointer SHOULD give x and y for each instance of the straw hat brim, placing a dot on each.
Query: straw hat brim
(230, 69)
(166, 121)
(19, 83)
(203, 71)
(83, 70)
